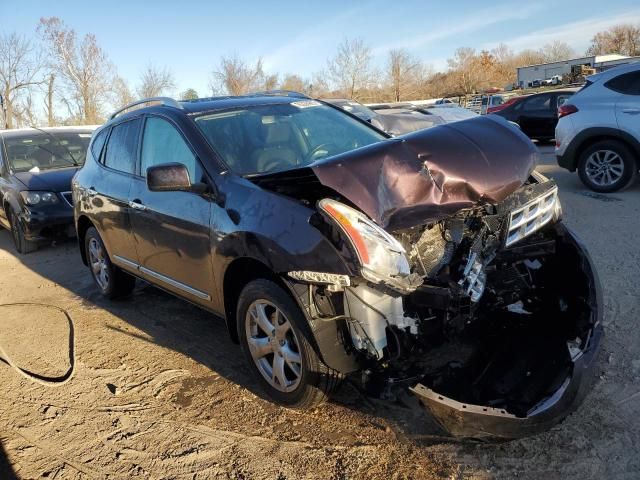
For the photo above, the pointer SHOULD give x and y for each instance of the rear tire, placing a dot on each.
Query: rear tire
(302, 380)
(607, 166)
(22, 245)
(112, 281)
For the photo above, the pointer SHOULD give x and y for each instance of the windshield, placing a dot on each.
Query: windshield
(36, 151)
(270, 138)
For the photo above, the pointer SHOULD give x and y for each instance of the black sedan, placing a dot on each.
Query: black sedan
(537, 114)
(36, 167)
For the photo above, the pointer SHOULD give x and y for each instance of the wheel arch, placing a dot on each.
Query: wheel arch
(324, 337)
(82, 225)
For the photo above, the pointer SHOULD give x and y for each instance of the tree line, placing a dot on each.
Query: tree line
(62, 78)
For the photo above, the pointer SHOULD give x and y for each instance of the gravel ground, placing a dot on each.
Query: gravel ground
(159, 390)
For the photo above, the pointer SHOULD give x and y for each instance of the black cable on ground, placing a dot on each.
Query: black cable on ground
(36, 377)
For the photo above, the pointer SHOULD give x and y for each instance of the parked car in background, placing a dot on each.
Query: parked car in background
(36, 167)
(537, 114)
(445, 112)
(481, 103)
(398, 122)
(598, 133)
(507, 102)
(437, 261)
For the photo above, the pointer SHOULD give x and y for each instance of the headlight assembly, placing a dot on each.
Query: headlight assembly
(33, 199)
(382, 258)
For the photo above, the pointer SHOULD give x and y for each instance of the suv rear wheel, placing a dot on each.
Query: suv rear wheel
(111, 280)
(607, 166)
(270, 329)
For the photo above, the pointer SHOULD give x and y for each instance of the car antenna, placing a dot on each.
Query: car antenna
(75, 162)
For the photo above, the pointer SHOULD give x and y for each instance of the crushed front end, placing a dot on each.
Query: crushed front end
(491, 316)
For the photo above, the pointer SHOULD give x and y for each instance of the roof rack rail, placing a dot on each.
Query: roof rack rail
(280, 93)
(170, 102)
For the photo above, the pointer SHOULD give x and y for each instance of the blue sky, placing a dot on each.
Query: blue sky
(295, 36)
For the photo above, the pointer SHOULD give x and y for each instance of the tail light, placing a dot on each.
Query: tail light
(565, 110)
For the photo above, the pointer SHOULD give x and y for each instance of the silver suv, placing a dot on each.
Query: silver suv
(598, 131)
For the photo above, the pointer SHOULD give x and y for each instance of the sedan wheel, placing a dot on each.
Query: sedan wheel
(273, 345)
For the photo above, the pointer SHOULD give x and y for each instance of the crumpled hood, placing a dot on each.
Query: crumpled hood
(401, 123)
(55, 180)
(428, 175)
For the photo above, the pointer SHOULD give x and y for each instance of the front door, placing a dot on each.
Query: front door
(171, 229)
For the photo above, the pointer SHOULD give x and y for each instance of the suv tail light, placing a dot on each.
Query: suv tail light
(565, 110)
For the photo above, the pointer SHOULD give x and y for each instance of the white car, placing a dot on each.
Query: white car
(598, 131)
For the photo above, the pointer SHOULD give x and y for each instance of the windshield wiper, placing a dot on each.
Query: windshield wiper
(59, 143)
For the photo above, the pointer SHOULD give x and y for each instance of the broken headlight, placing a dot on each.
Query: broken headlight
(382, 258)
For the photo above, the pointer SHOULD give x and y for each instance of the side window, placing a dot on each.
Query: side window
(98, 143)
(120, 153)
(561, 99)
(162, 143)
(542, 102)
(628, 83)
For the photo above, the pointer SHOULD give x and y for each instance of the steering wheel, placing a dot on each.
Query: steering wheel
(274, 164)
(323, 147)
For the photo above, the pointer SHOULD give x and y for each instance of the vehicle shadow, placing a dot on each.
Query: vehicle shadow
(6, 471)
(180, 326)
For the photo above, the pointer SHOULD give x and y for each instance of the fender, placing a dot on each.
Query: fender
(569, 159)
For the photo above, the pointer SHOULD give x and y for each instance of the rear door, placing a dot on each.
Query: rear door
(536, 116)
(628, 103)
(110, 191)
(171, 229)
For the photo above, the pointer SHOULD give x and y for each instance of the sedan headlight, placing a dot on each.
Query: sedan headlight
(382, 258)
(39, 198)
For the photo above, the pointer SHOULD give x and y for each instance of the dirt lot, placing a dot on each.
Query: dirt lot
(159, 390)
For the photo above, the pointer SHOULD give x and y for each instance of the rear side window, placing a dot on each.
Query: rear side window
(98, 143)
(628, 83)
(162, 143)
(542, 102)
(120, 153)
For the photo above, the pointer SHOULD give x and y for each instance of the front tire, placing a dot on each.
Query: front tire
(22, 245)
(274, 343)
(112, 281)
(607, 166)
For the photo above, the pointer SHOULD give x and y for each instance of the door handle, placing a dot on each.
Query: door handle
(136, 205)
(631, 111)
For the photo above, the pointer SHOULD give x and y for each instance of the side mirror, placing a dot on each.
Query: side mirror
(168, 177)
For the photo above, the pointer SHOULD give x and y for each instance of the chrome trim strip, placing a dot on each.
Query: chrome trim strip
(126, 261)
(162, 278)
(175, 283)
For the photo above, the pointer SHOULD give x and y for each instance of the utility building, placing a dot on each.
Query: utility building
(527, 75)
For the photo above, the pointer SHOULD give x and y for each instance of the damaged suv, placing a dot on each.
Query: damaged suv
(435, 261)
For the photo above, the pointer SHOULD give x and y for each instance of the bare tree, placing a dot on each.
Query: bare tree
(19, 69)
(350, 70)
(237, 77)
(48, 100)
(83, 68)
(294, 83)
(189, 94)
(466, 71)
(623, 39)
(557, 51)
(122, 94)
(155, 82)
(405, 74)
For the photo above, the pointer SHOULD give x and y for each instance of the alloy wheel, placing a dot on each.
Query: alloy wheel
(273, 345)
(98, 261)
(604, 167)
